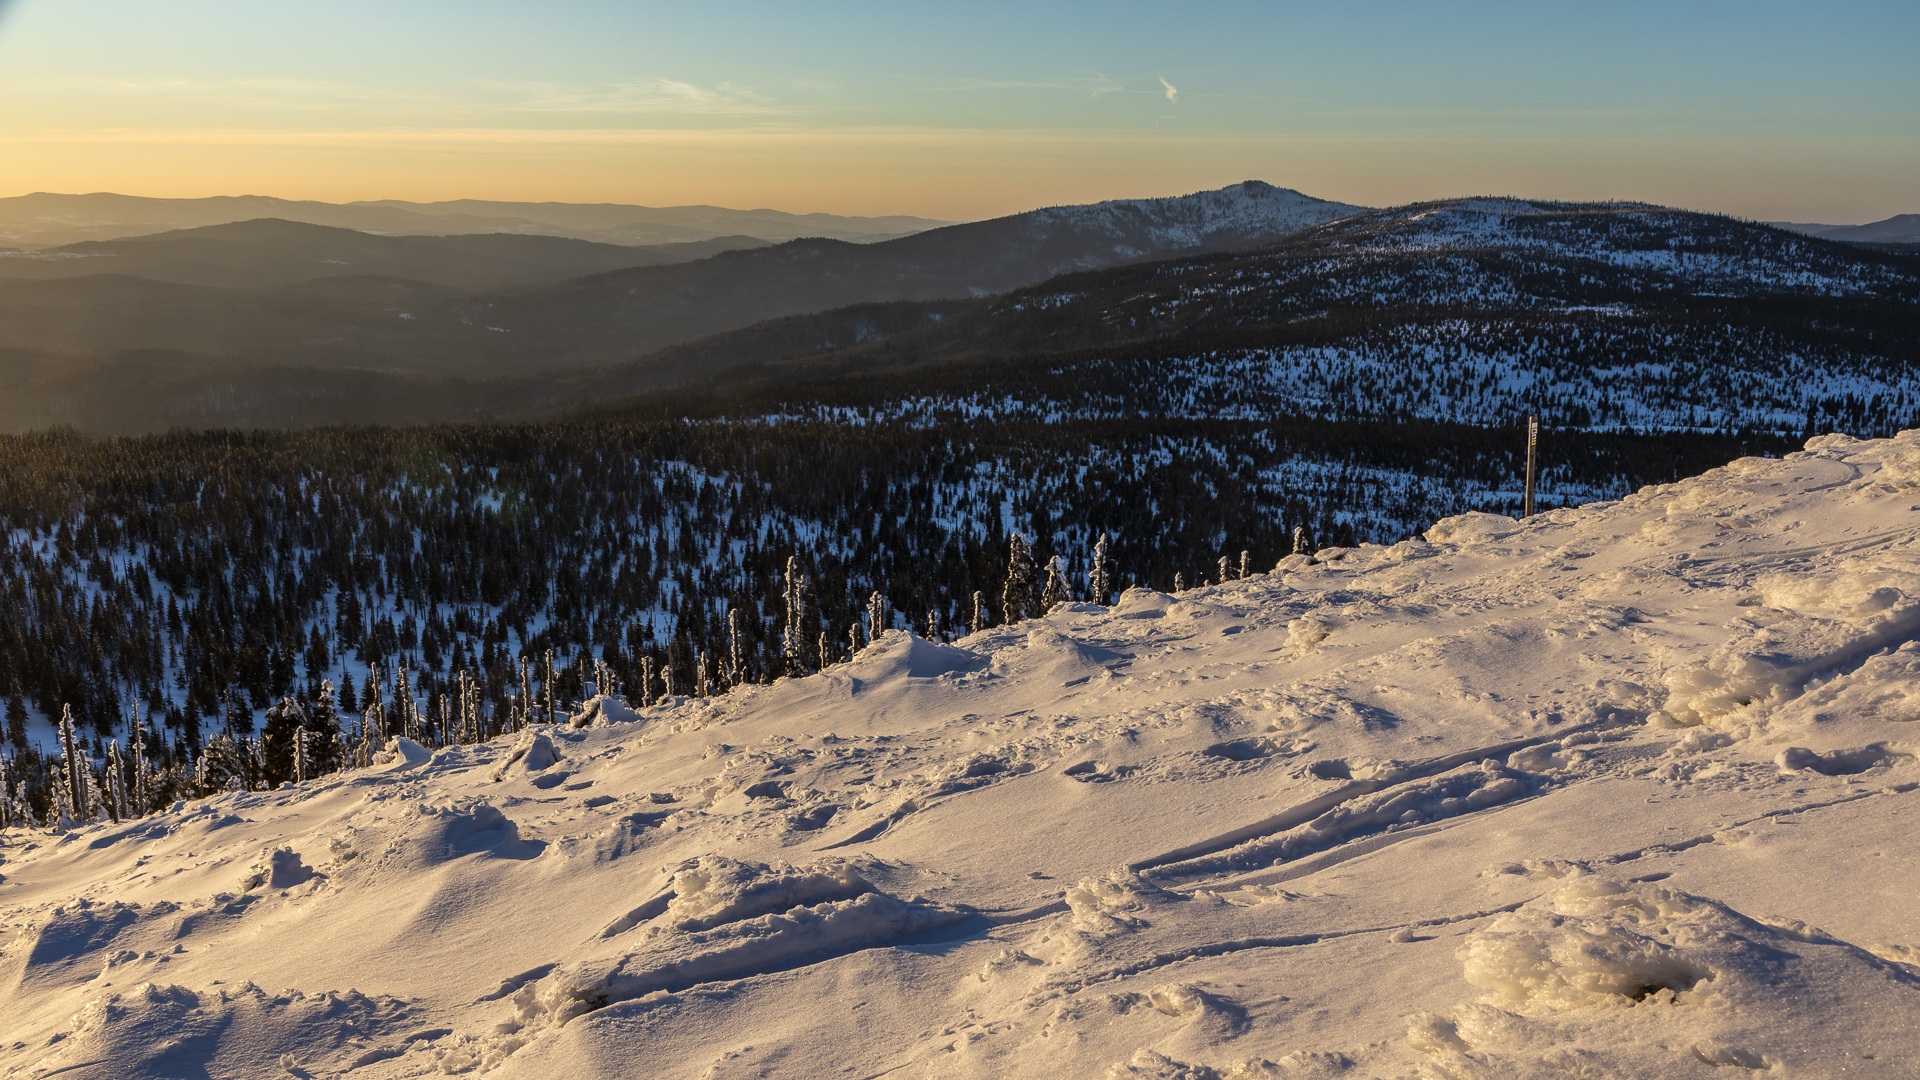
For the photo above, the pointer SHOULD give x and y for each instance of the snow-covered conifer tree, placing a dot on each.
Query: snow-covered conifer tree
(736, 650)
(324, 722)
(142, 771)
(1099, 578)
(1021, 594)
(523, 704)
(1299, 540)
(1179, 582)
(979, 620)
(116, 788)
(879, 616)
(1246, 559)
(547, 690)
(1056, 590)
(793, 643)
(75, 788)
(302, 767)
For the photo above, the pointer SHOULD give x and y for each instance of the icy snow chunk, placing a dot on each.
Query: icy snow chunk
(276, 868)
(402, 753)
(533, 752)
(1472, 528)
(1594, 943)
(1115, 902)
(1835, 762)
(714, 889)
(601, 711)
(1307, 631)
(1604, 978)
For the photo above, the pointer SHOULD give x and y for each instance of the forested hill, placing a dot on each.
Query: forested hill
(198, 579)
(1609, 315)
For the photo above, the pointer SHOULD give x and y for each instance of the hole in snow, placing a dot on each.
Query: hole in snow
(1331, 769)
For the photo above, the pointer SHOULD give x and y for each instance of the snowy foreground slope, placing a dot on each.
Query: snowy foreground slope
(1626, 792)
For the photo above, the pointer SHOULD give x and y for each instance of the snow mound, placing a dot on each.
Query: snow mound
(156, 1029)
(1603, 977)
(277, 868)
(730, 920)
(532, 752)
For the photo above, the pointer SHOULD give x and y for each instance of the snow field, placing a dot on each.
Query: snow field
(1624, 790)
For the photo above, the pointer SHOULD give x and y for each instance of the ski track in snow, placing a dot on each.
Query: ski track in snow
(1626, 790)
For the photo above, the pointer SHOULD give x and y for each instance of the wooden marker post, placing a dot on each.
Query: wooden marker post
(1533, 461)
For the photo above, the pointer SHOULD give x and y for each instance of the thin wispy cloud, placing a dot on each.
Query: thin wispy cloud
(656, 95)
(1173, 92)
(1097, 86)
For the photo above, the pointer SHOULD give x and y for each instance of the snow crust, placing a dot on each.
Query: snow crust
(1627, 790)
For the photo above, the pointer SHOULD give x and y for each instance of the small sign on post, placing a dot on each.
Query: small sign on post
(1533, 460)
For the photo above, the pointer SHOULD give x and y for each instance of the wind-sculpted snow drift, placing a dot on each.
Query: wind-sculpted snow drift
(1621, 791)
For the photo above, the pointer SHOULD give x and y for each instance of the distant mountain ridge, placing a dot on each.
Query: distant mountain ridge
(366, 318)
(1468, 309)
(1614, 315)
(46, 219)
(1899, 229)
(270, 252)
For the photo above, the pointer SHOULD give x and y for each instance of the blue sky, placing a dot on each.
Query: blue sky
(1769, 110)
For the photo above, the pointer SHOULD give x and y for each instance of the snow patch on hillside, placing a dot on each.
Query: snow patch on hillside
(1621, 790)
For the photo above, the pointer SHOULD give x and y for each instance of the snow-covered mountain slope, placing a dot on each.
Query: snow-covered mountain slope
(1599, 315)
(1625, 790)
(1244, 213)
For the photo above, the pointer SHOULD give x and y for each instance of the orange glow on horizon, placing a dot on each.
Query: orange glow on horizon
(948, 174)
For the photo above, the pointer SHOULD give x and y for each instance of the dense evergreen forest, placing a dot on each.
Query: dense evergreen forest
(224, 609)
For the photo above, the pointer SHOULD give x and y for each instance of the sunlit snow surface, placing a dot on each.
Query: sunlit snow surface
(1628, 791)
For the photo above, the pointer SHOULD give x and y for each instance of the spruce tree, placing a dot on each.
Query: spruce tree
(978, 621)
(72, 785)
(1099, 580)
(349, 702)
(793, 643)
(16, 718)
(736, 650)
(1020, 596)
(1056, 590)
(280, 742)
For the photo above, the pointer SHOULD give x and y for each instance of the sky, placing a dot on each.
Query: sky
(1774, 111)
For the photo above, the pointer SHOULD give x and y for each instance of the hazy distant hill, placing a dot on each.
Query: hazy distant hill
(614, 223)
(45, 219)
(1470, 310)
(1899, 229)
(182, 309)
(271, 252)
